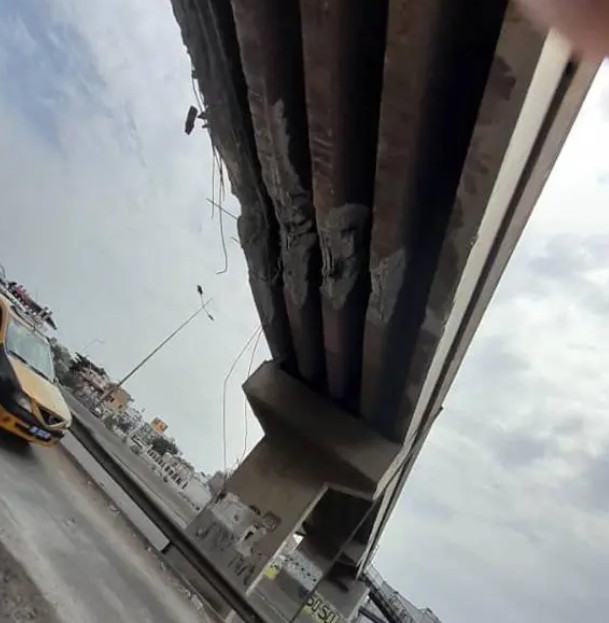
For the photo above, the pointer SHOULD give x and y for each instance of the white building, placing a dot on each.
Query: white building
(177, 470)
(172, 468)
(133, 416)
(142, 437)
(196, 491)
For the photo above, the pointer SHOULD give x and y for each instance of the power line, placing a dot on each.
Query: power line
(245, 403)
(221, 209)
(221, 219)
(226, 379)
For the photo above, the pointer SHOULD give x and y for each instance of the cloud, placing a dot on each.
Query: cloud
(46, 55)
(590, 487)
(519, 449)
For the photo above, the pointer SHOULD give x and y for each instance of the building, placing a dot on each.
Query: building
(179, 473)
(196, 491)
(96, 383)
(159, 425)
(140, 439)
(126, 423)
(94, 376)
(172, 468)
(177, 470)
(118, 400)
(133, 416)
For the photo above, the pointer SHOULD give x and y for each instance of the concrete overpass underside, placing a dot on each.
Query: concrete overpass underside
(386, 155)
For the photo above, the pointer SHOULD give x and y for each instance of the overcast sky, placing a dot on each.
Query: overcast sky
(506, 516)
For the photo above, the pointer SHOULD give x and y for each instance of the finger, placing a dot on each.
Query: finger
(584, 22)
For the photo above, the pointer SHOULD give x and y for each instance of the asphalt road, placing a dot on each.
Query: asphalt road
(68, 551)
(168, 497)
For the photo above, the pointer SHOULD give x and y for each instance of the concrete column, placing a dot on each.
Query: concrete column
(309, 447)
(298, 587)
(264, 503)
(345, 596)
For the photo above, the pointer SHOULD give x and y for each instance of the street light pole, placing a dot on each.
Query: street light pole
(154, 351)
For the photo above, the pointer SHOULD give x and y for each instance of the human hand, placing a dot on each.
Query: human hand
(584, 22)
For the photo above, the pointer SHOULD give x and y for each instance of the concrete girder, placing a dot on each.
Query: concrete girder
(343, 53)
(209, 36)
(553, 102)
(516, 56)
(503, 141)
(440, 54)
(271, 56)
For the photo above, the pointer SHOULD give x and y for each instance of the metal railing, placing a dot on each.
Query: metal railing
(383, 598)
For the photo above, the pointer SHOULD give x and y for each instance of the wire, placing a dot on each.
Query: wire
(221, 209)
(245, 403)
(223, 240)
(221, 195)
(213, 177)
(216, 162)
(226, 379)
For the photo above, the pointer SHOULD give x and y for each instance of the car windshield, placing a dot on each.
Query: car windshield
(31, 349)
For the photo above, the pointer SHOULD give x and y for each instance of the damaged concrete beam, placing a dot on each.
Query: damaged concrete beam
(515, 60)
(437, 62)
(208, 33)
(343, 55)
(555, 97)
(270, 46)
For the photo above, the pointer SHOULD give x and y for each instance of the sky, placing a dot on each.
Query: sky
(506, 515)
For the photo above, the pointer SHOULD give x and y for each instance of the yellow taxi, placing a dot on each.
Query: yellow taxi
(31, 404)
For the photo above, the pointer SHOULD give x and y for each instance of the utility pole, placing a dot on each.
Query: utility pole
(108, 393)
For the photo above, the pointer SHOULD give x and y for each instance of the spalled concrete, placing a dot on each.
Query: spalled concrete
(271, 56)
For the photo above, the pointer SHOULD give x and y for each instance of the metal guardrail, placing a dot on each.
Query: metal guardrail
(378, 595)
(174, 533)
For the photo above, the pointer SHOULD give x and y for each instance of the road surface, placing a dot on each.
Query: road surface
(67, 555)
(168, 497)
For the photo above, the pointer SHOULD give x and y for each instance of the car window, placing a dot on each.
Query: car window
(30, 348)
